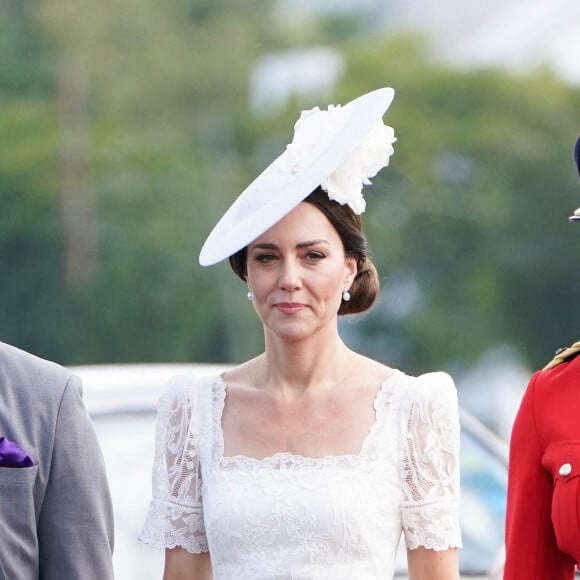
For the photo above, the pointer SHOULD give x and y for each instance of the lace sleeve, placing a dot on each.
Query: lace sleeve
(430, 464)
(175, 516)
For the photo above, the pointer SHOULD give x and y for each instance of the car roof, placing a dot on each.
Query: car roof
(133, 388)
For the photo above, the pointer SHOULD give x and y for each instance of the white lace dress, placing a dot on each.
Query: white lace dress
(293, 517)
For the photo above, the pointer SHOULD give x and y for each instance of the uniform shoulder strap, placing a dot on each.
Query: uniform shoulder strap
(563, 355)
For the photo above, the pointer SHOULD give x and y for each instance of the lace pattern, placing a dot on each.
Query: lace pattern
(175, 517)
(430, 464)
(289, 516)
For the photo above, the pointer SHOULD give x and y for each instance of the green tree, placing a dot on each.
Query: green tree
(467, 225)
(478, 193)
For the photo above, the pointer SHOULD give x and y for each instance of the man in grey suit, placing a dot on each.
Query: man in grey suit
(56, 519)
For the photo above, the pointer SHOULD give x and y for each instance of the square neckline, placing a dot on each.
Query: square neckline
(288, 459)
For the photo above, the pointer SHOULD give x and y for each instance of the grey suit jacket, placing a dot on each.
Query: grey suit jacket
(56, 520)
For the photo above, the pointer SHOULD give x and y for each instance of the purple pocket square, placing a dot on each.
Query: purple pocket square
(12, 456)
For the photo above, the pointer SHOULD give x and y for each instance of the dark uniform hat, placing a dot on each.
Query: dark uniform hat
(576, 216)
(566, 354)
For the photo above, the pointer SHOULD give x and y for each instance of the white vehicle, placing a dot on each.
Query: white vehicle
(122, 401)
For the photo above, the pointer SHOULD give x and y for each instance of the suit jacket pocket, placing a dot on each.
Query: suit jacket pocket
(562, 460)
(18, 540)
(18, 475)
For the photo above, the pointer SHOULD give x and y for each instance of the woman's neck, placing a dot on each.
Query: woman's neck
(289, 369)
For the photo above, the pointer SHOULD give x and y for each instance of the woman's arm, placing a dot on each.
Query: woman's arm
(425, 564)
(181, 565)
(175, 517)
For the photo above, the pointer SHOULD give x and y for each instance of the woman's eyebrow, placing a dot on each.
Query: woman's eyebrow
(264, 246)
(301, 245)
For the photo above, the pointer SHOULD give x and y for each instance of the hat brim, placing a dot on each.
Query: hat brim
(276, 192)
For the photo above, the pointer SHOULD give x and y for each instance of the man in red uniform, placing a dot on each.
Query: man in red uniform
(543, 505)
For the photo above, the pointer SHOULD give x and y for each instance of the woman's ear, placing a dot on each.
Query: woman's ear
(350, 270)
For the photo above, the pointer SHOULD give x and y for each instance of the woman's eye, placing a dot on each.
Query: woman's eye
(314, 256)
(265, 258)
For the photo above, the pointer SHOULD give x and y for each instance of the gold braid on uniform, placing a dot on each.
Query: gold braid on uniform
(563, 355)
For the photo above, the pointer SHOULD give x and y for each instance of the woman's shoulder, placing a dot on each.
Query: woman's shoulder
(184, 389)
(370, 370)
(430, 406)
(431, 386)
(427, 385)
(244, 375)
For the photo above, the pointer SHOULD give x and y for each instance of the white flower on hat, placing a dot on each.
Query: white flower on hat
(345, 184)
(313, 132)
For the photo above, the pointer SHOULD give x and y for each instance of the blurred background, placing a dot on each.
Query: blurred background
(128, 127)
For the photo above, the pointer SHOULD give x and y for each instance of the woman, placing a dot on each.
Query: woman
(309, 460)
(543, 502)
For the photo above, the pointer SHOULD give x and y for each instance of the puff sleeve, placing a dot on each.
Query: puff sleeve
(175, 516)
(429, 444)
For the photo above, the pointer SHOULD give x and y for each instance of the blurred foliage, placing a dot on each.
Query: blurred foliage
(480, 186)
(468, 225)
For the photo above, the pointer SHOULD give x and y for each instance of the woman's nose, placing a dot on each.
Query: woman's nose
(289, 276)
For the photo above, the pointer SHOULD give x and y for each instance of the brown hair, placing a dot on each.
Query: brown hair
(365, 287)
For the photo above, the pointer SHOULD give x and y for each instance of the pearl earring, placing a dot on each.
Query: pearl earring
(249, 294)
(345, 294)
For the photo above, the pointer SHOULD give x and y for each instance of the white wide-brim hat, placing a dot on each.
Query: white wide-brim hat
(297, 172)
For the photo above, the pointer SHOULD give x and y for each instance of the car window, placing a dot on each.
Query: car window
(483, 503)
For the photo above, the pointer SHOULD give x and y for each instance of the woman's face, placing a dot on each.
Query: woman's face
(297, 271)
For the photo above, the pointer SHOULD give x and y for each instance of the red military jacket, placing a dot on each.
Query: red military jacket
(543, 503)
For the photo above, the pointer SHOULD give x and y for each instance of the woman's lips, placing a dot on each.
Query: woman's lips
(290, 307)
